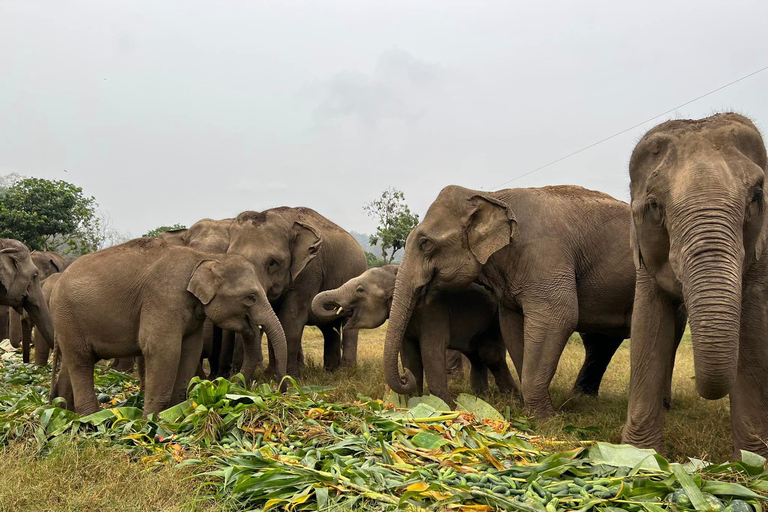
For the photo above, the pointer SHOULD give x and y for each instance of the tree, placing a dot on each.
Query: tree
(49, 215)
(395, 222)
(373, 260)
(152, 233)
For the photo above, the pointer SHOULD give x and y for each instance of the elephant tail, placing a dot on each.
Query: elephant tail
(55, 368)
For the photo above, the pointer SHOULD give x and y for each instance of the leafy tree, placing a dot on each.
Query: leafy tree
(373, 260)
(49, 215)
(152, 233)
(395, 222)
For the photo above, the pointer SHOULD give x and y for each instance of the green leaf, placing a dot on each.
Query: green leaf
(482, 410)
(689, 486)
(623, 455)
(428, 441)
(433, 401)
(752, 459)
(729, 489)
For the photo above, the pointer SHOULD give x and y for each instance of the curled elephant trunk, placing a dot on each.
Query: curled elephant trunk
(712, 258)
(37, 308)
(407, 294)
(264, 315)
(325, 305)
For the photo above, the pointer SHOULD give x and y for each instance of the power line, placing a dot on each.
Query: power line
(630, 128)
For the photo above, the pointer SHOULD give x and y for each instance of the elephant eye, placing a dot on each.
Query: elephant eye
(251, 299)
(425, 244)
(757, 196)
(653, 210)
(360, 289)
(272, 265)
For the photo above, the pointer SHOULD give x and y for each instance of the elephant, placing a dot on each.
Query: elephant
(212, 236)
(49, 263)
(20, 286)
(557, 261)
(466, 321)
(297, 254)
(699, 234)
(149, 298)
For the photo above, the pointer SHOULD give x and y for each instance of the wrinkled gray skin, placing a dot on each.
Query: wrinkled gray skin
(556, 259)
(148, 298)
(20, 286)
(699, 241)
(465, 320)
(298, 253)
(212, 236)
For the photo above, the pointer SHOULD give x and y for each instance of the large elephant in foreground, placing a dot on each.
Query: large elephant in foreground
(212, 236)
(557, 260)
(298, 253)
(20, 286)
(148, 298)
(700, 230)
(466, 321)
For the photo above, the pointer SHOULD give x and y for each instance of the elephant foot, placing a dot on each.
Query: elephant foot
(643, 438)
(667, 404)
(541, 412)
(586, 388)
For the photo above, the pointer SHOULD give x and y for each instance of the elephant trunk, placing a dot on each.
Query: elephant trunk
(265, 315)
(712, 257)
(37, 308)
(326, 304)
(408, 289)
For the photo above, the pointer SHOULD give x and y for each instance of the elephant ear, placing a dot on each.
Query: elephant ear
(204, 282)
(304, 247)
(8, 266)
(174, 236)
(762, 240)
(55, 265)
(634, 244)
(491, 226)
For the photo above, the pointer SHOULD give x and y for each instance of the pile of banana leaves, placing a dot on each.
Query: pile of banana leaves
(261, 450)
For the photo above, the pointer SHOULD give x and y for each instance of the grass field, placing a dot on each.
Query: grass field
(97, 478)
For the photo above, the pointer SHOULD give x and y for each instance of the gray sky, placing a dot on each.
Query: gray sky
(173, 111)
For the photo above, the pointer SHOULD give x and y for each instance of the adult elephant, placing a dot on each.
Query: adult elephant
(212, 236)
(148, 298)
(700, 230)
(556, 259)
(298, 253)
(20, 286)
(465, 321)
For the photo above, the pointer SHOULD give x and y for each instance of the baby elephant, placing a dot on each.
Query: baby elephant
(149, 298)
(465, 320)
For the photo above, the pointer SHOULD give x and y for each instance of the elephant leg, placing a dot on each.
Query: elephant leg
(349, 347)
(200, 371)
(411, 356)
(237, 356)
(681, 321)
(214, 357)
(26, 339)
(546, 332)
(293, 315)
(142, 371)
(331, 346)
(251, 349)
(511, 323)
(4, 322)
(453, 360)
(80, 369)
(161, 345)
(478, 374)
(226, 354)
(122, 364)
(14, 329)
(599, 350)
(42, 350)
(63, 388)
(749, 393)
(652, 345)
(191, 348)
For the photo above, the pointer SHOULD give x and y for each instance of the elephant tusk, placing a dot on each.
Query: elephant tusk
(338, 311)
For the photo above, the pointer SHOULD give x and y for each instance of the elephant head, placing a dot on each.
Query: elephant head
(279, 249)
(174, 236)
(209, 235)
(234, 299)
(362, 302)
(460, 232)
(48, 263)
(21, 280)
(698, 223)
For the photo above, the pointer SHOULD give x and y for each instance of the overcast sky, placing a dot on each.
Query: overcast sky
(173, 111)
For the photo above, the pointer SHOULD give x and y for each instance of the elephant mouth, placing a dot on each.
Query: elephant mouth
(343, 313)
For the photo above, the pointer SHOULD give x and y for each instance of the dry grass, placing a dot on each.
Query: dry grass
(693, 428)
(93, 478)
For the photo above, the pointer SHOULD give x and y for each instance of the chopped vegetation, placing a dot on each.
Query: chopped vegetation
(258, 449)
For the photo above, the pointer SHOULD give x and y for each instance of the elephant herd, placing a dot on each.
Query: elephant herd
(516, 272)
